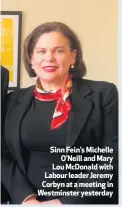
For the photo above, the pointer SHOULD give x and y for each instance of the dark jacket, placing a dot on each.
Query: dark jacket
(4, 88)
(93, 121)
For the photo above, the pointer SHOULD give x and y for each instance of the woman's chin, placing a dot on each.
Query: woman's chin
(48, 79)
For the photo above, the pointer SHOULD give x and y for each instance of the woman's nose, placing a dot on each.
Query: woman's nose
(49, 56)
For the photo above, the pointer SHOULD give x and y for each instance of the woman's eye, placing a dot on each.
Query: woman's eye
(60, 51)
(41, 51)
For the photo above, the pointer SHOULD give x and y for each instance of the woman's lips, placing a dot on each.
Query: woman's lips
(49, 68)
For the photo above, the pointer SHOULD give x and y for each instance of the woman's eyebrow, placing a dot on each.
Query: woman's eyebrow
(56, 47)
(37, 48)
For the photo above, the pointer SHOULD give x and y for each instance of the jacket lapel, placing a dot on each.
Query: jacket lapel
(13, 125)
(79, 114)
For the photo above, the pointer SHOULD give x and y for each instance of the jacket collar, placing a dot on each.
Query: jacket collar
(81, 108)
(80, 87)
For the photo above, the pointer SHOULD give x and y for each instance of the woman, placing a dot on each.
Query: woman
(61, 110)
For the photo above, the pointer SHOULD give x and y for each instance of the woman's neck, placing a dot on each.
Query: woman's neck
(49, 86)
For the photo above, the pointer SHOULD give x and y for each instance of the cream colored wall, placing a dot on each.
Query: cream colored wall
(95, 21)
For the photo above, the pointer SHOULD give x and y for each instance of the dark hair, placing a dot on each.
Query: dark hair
(78, 71)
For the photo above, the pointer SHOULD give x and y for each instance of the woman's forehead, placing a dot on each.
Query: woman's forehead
(56, 39)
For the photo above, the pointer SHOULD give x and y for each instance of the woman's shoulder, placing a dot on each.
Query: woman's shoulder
(106, 90)
(98, 84)
(19, 93)
(97, 89)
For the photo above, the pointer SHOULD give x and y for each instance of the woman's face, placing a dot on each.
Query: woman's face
(52, 57)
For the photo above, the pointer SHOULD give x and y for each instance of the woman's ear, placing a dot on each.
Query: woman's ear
(74, 54)
(32, 62)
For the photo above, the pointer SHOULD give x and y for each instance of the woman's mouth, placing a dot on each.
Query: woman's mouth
(49, 68)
